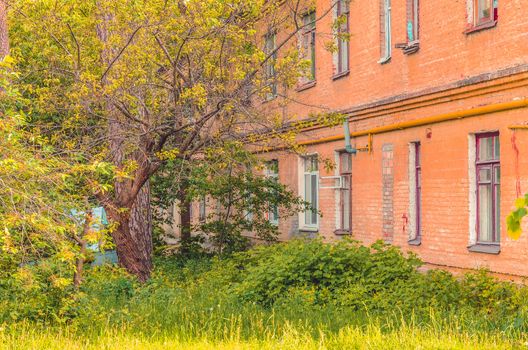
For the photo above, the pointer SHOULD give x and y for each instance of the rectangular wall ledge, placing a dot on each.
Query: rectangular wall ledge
(485, 248)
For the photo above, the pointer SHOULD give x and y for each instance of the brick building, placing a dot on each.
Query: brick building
(437, 98)
(436, 95)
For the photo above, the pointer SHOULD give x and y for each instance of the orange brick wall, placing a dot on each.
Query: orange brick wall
(451, 72)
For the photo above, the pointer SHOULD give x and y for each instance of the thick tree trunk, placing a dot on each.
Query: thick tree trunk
(133, 236)
(185, 213)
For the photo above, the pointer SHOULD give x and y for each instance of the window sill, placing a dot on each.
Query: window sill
(306, 86)
(485, 248)
(340, 232)
(409, 47)
(480, 27)
(415, 241)
(309, 229)
(341, 75)
(384, 60)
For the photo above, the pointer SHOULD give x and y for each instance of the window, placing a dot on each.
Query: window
(272, 171)
(269, 68)
(342, 12)
(308, 44)
(482, 14)
(310, 190)
(385, 31)
(488, 188)
(412, 21)
(345, 193)
(202, 209)
(415, 193)
(485, 11)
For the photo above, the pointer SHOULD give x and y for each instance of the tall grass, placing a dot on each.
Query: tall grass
(193, 305)
(368, 336)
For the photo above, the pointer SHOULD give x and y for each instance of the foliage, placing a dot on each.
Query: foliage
(514, 219)
(240, 197)
(202, 302)
(99, 95)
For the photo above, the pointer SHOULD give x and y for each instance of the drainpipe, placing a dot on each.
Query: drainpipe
(348, 146)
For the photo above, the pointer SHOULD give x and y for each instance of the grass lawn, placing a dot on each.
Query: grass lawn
(367, 337)
(196, 304)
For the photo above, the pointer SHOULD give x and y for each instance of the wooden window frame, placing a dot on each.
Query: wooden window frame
(343, 10)
(418, 188)
(309, 32)
(273, 172)
(492, 165)
(269, 68)
(345, 173)
(314, 171)
(386, 45)
(476, 23)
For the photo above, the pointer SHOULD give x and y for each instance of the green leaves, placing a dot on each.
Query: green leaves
(514, 220)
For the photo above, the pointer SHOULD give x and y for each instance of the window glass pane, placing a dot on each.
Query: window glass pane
(346, 209)
(485, 151)
(484, 9)
(314, 198)
(417, 153)
(497, 213)
(308, 197)
(419, 178)
(496, 176)
(345, 163)
(484, 175)
(497, 147)
(485, 213)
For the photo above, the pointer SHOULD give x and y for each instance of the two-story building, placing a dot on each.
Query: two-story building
(436, 93)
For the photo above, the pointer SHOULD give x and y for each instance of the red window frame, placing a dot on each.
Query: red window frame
(492, 165)
(418, 188)
(492, 15)
(345, 172)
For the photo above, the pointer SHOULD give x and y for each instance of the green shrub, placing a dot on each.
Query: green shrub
(344, 272)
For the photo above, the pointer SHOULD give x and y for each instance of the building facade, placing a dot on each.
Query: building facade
(436, 93)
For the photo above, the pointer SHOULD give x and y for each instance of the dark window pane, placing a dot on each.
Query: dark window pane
(485, 151)
(485, 204)
(497, 213)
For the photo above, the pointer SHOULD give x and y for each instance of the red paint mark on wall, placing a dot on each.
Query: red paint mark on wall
(517, 175)
(405, 221)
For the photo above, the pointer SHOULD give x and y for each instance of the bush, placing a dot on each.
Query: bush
(343, 273)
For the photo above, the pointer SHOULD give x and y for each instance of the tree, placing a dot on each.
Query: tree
(239, 196)
(136, 84)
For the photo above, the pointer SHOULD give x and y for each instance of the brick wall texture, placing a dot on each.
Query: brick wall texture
(452, 72)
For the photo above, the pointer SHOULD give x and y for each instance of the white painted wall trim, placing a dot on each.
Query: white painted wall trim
(472, 179)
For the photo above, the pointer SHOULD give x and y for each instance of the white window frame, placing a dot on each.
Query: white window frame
(387, 26)
(305, 226)
(271, 173)
(413, 212)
